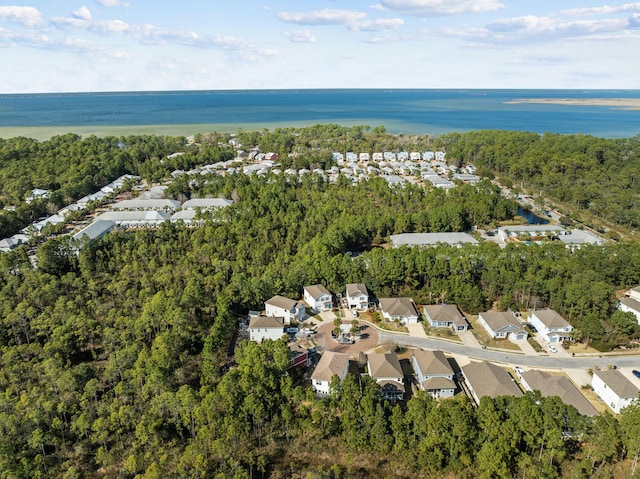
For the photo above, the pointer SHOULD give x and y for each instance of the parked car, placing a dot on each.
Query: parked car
(636, 373)
(552, 349)
(519, 371)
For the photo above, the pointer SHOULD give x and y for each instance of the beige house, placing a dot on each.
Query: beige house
(487, 379)
(386, 370)
(445, 316)
(331, 364)
(399, 309)
(502, 325)
(434, 373)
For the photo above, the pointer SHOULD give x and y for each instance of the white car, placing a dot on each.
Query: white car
(519, 371)
(552, 349)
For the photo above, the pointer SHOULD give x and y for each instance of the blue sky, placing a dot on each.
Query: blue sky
(121, 45)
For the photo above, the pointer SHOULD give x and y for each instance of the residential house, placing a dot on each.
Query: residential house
(561, 386)
(431, 239)
(378, 157)
(386, 370)
(630, 305)
(399, 309)
(445, 316)
(289, 309)
(146, 205)
(487, 379)
(93, 231)
(331, 364)
(364, 157)
(502, 325)
(552, 327)
(266, 327)
(415, 156)
(357, 296)
(529, 232)
(37, 194)
(634, 293)
(434, 373)
(614, 389)
(135, 219)
(7, 244)
(318, 298)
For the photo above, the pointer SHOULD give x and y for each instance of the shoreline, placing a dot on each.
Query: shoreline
(619, 103)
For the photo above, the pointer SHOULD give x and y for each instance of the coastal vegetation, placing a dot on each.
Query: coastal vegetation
(121, 361)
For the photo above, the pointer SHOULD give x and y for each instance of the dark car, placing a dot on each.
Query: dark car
(636, 373)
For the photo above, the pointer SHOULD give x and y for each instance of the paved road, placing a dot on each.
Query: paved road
(551, 361)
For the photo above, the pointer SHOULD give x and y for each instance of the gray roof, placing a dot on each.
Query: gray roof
(636, 289)
(448, 313)
(618, 383)
(431, 239)
(560, 386)
(316, 290)
(140, 204)
(487, 379)
(500, 319)
(273, 322)
(532, 228)
(580, 237)
(631, 303)
(550, 318)
(205, 203)
(384, 365)
(330, 363)
(438, 383)
(95, 230)
(135, 216)
(398, 306)
(356, 289)
(282, 302)
(433, 363)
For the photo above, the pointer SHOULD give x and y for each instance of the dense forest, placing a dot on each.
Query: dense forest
(115, 363)
(595, 175)
(119, 361)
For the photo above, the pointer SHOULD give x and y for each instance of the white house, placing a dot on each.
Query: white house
(631, 302)
(318, 298)
(529, 232)
(445, 316)
(431, 239)
(266, 327)
(502, 325)
(289, 309)
(399, 309)
(386, 370)
(357, 296)
(552, 327)
(146, 205)
(434, 373)
(614, 389)
(37, 194)
(331, 364)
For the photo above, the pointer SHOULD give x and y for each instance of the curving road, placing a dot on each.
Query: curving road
(549, 362)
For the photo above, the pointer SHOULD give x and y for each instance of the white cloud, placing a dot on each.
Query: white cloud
(603, 10)
(82, 13)
(441, 7)
(327, 16)
(380, 25)
(27, 16)
(112, 3)
(300, 36)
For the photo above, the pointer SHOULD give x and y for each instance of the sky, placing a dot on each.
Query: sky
(143, 45)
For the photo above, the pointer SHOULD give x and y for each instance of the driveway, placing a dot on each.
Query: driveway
(468, 339)
(416, 330)
(369, 339)
(526, 347)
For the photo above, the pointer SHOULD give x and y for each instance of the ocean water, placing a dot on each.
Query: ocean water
(399, 111)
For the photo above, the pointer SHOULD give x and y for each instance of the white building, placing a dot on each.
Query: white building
(289, 309)
(266, 327)
(552, 327)
(318, 298)
(331, 364)
(357, 296)
(399, 309)
(431, 239)
(614, 389)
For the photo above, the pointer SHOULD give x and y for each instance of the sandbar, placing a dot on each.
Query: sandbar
(618, 103)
